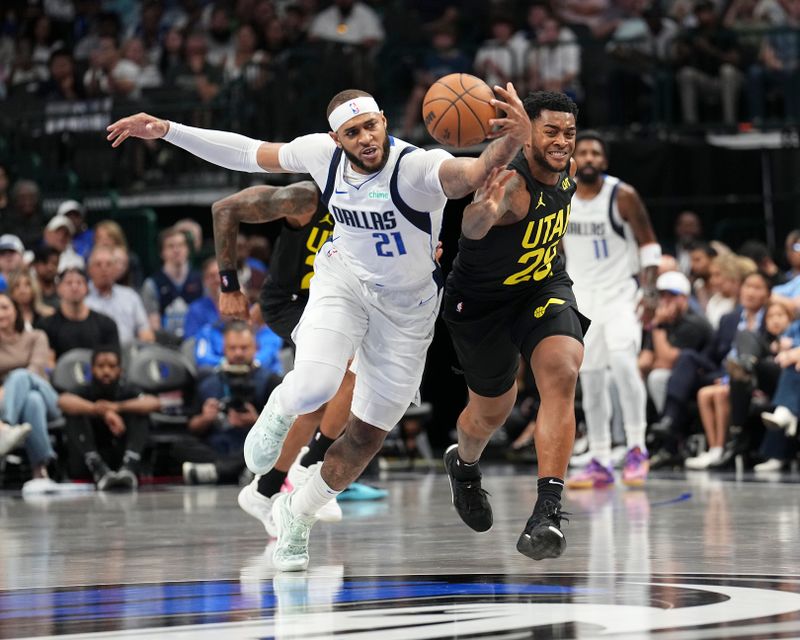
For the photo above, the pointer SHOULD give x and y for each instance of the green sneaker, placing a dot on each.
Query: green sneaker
(291, 549)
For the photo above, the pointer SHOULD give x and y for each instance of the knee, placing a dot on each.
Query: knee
(561, 378)
(308, 387)
(364, 437)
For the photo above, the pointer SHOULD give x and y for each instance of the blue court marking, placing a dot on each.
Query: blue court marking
(224, 597)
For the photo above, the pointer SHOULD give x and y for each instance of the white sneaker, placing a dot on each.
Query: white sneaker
(298, 475)
(781, 418)
(258, 506)
(199, 473)
(265, 439)
(773, 464)
(12, 436)
(581, 460)
(697, 462)
(291, 551)
(40, 486)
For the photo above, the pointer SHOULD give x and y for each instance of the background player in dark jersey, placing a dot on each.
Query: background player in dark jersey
(307, 225)
(508, 293)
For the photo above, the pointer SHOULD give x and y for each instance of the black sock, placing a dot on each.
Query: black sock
(271, 482)
(466, 471)
(549, 489)
(319, 444)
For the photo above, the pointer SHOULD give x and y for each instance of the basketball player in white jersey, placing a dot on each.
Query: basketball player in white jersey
(609, 240)
(376, 290)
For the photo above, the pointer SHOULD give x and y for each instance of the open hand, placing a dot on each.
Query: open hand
(141, 125)
(490, 194)
(516, 124)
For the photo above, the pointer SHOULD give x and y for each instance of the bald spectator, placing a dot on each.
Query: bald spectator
(120, 303)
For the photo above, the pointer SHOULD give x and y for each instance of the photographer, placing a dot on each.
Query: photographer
(228, 403)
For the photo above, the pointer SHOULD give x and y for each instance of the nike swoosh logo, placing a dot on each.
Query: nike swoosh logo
(340, 192)
(427, 300)
(560, 484)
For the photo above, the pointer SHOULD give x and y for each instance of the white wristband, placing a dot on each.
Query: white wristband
(223, 148)
(649, 255)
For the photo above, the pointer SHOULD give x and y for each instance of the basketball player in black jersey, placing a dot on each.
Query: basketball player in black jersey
(307, 225)
(508, 294)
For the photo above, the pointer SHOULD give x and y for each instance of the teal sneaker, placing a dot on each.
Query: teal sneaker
(359, 491)
(265, 439)
(291, 550)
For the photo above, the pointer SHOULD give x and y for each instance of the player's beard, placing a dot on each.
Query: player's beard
(588, 174)
(540, 159)
(357, 162)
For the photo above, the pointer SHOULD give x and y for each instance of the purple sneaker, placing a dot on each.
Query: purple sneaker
(637, 466)
(593, 476)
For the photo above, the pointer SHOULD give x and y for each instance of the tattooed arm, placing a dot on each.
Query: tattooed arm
(297, 202)
(462, 176)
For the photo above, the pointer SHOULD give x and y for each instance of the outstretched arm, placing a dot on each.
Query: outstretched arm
(223, 148)
(461, 176)
(253, 205)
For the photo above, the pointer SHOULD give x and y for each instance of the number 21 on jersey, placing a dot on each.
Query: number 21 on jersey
(389, 243)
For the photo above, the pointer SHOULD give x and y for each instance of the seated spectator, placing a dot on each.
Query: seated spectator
(707, 371)
(675, 328)
(83, 237)
(209, 349)
(194, 232)
(27, 395)
(23, 290)
(205, 310)
(24, 219)
(63, 83)
(759, 253)
(195, 76)
(109, 234)
(228, 404)
(245, 61)
(778, 67)
(120, 303)
(168, 293)
(554, 62)
(726, 275)
(443, 58)
(688, 229)
(700, 256)
(109, 74)
(708, 55)
(496, 60)
(74, 325)
(107, 424)
(45, 267)
(133, 50)
(348, 22)
(58, 233)
(11, 258)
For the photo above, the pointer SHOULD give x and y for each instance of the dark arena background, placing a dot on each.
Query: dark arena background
(119, 518)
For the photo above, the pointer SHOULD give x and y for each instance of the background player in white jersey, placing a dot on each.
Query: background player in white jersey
(609, 239)
(376, 289)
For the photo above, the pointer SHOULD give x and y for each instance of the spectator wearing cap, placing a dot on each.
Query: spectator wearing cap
(74, 325)
(25, 292)
(11, 257)
(82, 237)
(168, 293)
(121, 303)
(25, 217)
(58, 234)
(45, 268)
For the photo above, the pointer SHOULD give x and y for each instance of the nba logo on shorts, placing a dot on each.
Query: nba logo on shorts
(354, 107)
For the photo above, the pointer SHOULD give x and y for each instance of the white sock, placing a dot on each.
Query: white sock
(715, 451)
(312, 496)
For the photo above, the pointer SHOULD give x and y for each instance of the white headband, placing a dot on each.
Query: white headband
(351, 109)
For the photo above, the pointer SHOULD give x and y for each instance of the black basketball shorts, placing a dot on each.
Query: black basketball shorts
(489, 336)
(281, 310)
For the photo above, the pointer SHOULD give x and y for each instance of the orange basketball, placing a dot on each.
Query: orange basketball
(456, 110)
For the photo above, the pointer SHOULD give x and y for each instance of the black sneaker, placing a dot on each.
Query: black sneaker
(542, 537)
(103, 476)
(469, 499)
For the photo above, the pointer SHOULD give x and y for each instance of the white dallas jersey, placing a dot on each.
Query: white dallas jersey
(387, 226)
(601, 252)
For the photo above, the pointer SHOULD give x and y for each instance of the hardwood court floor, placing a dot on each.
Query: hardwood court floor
(692, 556)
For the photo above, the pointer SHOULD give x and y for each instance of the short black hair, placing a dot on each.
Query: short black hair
(701, 245)
(106, 348)
(43, 253)
(591, 134)
(755, 250)
(538, 101)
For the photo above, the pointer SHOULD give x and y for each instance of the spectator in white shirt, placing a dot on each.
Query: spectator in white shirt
(348, 22)
(109, 73)
(121, 303)
(555, 61)
(496, 62)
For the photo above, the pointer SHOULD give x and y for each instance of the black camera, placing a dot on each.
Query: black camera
(241, 390)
